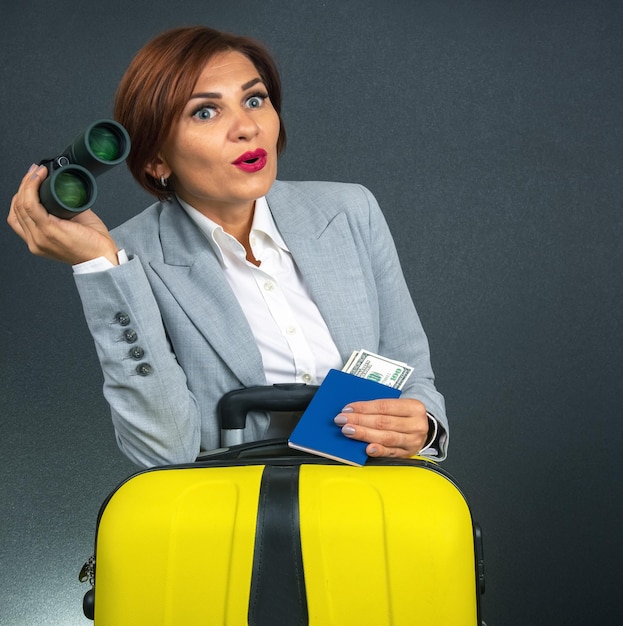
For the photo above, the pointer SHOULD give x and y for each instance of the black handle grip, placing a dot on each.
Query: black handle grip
(233, 407)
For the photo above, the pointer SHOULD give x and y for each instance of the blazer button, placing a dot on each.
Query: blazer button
(130, 335)
(137, 353)
(143, 369)
(122, 318)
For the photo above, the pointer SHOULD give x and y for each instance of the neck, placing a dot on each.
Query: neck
(235, 221)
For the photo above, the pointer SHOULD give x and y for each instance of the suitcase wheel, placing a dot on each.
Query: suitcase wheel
(88, 604)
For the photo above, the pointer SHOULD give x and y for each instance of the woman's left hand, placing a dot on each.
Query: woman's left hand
(396, 427)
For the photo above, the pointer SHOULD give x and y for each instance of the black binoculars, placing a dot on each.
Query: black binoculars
(70, 186)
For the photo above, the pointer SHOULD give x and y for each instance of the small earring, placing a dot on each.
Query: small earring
(164, 181)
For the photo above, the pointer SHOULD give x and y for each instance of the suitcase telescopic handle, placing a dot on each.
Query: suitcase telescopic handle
(233, 407)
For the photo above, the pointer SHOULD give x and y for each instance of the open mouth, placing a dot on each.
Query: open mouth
(251, 157)
(251, 161)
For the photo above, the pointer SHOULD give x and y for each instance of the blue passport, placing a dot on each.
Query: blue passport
(317, 433)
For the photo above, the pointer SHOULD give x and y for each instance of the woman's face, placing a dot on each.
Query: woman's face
(222, 153)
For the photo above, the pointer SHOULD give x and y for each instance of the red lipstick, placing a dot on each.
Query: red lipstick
(252, 161)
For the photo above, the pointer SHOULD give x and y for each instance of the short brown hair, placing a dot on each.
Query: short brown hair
(159, 81)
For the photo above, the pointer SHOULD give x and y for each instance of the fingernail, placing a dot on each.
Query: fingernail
(347, 409)
(32, 167)
(35, 172)
(340, 420)
(372, 450)
(348, 430)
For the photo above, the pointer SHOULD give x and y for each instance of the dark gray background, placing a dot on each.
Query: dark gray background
(491, 133)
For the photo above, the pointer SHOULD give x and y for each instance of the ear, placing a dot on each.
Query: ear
(158, 168)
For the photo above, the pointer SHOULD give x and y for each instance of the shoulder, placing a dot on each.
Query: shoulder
(141, 231)
(147, 218)
(325, 198)
(313, 208)
(322, 191)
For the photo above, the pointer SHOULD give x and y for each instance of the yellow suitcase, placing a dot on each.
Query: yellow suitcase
(260, 534)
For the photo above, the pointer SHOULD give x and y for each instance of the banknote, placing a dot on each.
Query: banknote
(366, 364)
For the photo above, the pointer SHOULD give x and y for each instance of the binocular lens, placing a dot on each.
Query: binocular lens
(70, 186)
(104, 143)
(71, 190)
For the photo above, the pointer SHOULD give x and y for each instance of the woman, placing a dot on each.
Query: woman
(232, 278)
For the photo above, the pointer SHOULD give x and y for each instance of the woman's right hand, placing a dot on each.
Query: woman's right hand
(81, 238)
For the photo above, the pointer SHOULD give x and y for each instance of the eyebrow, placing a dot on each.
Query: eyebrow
(215, 94)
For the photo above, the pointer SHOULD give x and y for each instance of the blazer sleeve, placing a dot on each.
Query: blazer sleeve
(401, 334)
(155, 416)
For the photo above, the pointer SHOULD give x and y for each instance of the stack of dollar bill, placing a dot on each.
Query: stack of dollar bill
(379, 368)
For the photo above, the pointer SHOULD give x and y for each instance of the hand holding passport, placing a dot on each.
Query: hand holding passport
(366, 376)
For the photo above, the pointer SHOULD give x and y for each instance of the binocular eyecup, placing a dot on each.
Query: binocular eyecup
(70, 186)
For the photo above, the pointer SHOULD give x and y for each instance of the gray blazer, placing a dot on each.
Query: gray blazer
(172, 338)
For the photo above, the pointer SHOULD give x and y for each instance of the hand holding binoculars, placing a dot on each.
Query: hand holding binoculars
(70, 186)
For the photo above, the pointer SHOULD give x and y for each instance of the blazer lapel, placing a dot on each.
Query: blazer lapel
(194, 276)
(322, 249)
(326, 256)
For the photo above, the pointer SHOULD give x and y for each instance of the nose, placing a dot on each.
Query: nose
(243, 126)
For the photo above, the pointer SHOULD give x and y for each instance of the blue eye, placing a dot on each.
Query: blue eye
(205, 113)
(256, 101)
